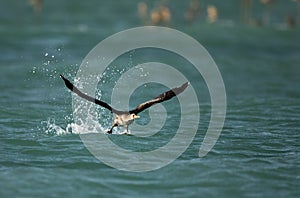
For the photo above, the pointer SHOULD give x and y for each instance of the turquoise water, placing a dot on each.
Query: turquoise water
(257, 154)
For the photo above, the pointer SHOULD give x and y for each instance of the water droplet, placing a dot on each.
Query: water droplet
(46, 54)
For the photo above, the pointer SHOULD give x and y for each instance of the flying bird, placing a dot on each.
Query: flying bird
(125, 118)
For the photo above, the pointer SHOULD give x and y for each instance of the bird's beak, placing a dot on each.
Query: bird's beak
(137, 116)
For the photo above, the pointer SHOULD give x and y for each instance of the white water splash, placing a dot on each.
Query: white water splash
(51, 128)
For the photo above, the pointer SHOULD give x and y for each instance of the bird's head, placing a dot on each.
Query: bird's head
(134, 116)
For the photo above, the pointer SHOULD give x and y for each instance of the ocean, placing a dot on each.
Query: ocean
(256, 155)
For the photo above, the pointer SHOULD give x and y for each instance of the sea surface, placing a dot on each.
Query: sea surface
(256, 155)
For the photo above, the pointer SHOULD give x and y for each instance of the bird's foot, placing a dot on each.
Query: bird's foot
(109, 132)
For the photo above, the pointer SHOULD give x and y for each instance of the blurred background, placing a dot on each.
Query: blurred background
(255, 44)
(35, 26)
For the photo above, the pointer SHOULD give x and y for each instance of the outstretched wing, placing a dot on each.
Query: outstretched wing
(70, 86)
(162, 97)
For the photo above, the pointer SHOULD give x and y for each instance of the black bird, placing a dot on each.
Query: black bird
(125, 118)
